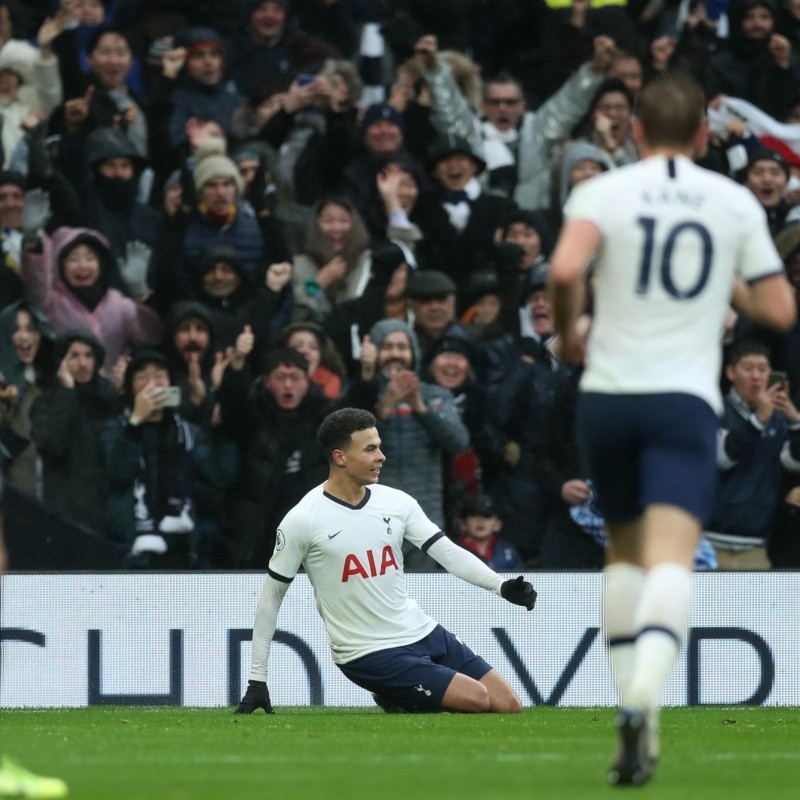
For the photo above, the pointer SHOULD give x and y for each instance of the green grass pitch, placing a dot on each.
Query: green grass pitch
(121, 753)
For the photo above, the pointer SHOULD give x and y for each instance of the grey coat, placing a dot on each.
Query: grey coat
(538, 132)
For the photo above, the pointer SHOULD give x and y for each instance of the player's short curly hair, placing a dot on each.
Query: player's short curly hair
(336, 429)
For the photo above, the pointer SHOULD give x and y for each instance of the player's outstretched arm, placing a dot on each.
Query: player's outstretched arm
(519, 591)
(256, 696)
(463, 564)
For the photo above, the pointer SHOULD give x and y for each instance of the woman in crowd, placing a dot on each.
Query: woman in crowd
(26, 369)
(325, 366)
(69, 278)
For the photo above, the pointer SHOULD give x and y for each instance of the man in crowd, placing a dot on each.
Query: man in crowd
(418, 423)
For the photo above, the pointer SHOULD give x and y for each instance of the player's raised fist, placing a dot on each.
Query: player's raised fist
(519, 592)
(256, 696)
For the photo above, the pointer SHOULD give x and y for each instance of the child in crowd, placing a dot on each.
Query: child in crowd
(480, 526)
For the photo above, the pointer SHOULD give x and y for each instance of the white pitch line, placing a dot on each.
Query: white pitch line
(315, 758)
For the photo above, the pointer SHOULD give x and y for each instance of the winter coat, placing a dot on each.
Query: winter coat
(213, 461)
(304, 276)
(269, 438)
(179, 370)
(458, 253)
(242, 234)
(745, 69)
(15, 419)
(117, 322)
(65, 427)
(414, 445)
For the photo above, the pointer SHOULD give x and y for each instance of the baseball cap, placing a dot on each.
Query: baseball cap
(477, 505)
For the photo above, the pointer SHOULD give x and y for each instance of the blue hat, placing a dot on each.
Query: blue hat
(195, 35)
(379, 111)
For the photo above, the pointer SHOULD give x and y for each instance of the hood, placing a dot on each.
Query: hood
(212, 254)
(19, 56)
(8, 318)
(64, 239)
(12, 368)
(249, 6)
(178, 312)
(381, 329)
(574, 153)
(64, 341)
(456, 338)
(103, 143)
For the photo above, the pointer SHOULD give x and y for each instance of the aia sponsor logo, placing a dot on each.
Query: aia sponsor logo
(370, 565)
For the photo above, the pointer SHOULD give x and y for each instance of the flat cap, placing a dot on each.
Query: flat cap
(425, 284)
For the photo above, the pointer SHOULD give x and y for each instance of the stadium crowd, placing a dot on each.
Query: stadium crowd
(282, 207)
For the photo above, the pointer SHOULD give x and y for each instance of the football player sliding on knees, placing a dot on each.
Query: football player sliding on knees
(348, 534)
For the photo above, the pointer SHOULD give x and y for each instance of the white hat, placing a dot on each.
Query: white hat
(213, 163)
(19, 57)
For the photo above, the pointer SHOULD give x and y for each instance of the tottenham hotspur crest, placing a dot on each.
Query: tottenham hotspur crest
(387, 520)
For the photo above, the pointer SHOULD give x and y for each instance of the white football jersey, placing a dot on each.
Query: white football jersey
(674, 237)
(354, 560)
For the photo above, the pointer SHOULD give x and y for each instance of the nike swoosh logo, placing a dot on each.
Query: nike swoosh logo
(331, 535)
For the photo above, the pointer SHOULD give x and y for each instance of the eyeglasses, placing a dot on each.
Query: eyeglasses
(604, 108)
(502, 101)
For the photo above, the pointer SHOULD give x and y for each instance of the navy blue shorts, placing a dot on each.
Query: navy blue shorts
(643, 449)
(416, 676)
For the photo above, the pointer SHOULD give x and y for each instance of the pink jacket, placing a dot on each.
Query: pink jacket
(118, 322)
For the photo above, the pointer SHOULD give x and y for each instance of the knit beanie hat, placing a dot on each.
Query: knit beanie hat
(9, 176)
(767, 155)
(381, 329)
(212, 162)
(194, 37)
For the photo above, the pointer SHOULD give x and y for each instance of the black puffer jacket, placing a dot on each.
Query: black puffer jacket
(280, 461)
(64, 426)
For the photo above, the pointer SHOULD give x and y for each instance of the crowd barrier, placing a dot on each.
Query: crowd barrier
(184, 639)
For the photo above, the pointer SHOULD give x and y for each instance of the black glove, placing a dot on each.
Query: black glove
(256, 696)
(519, 592)
(386, 259)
